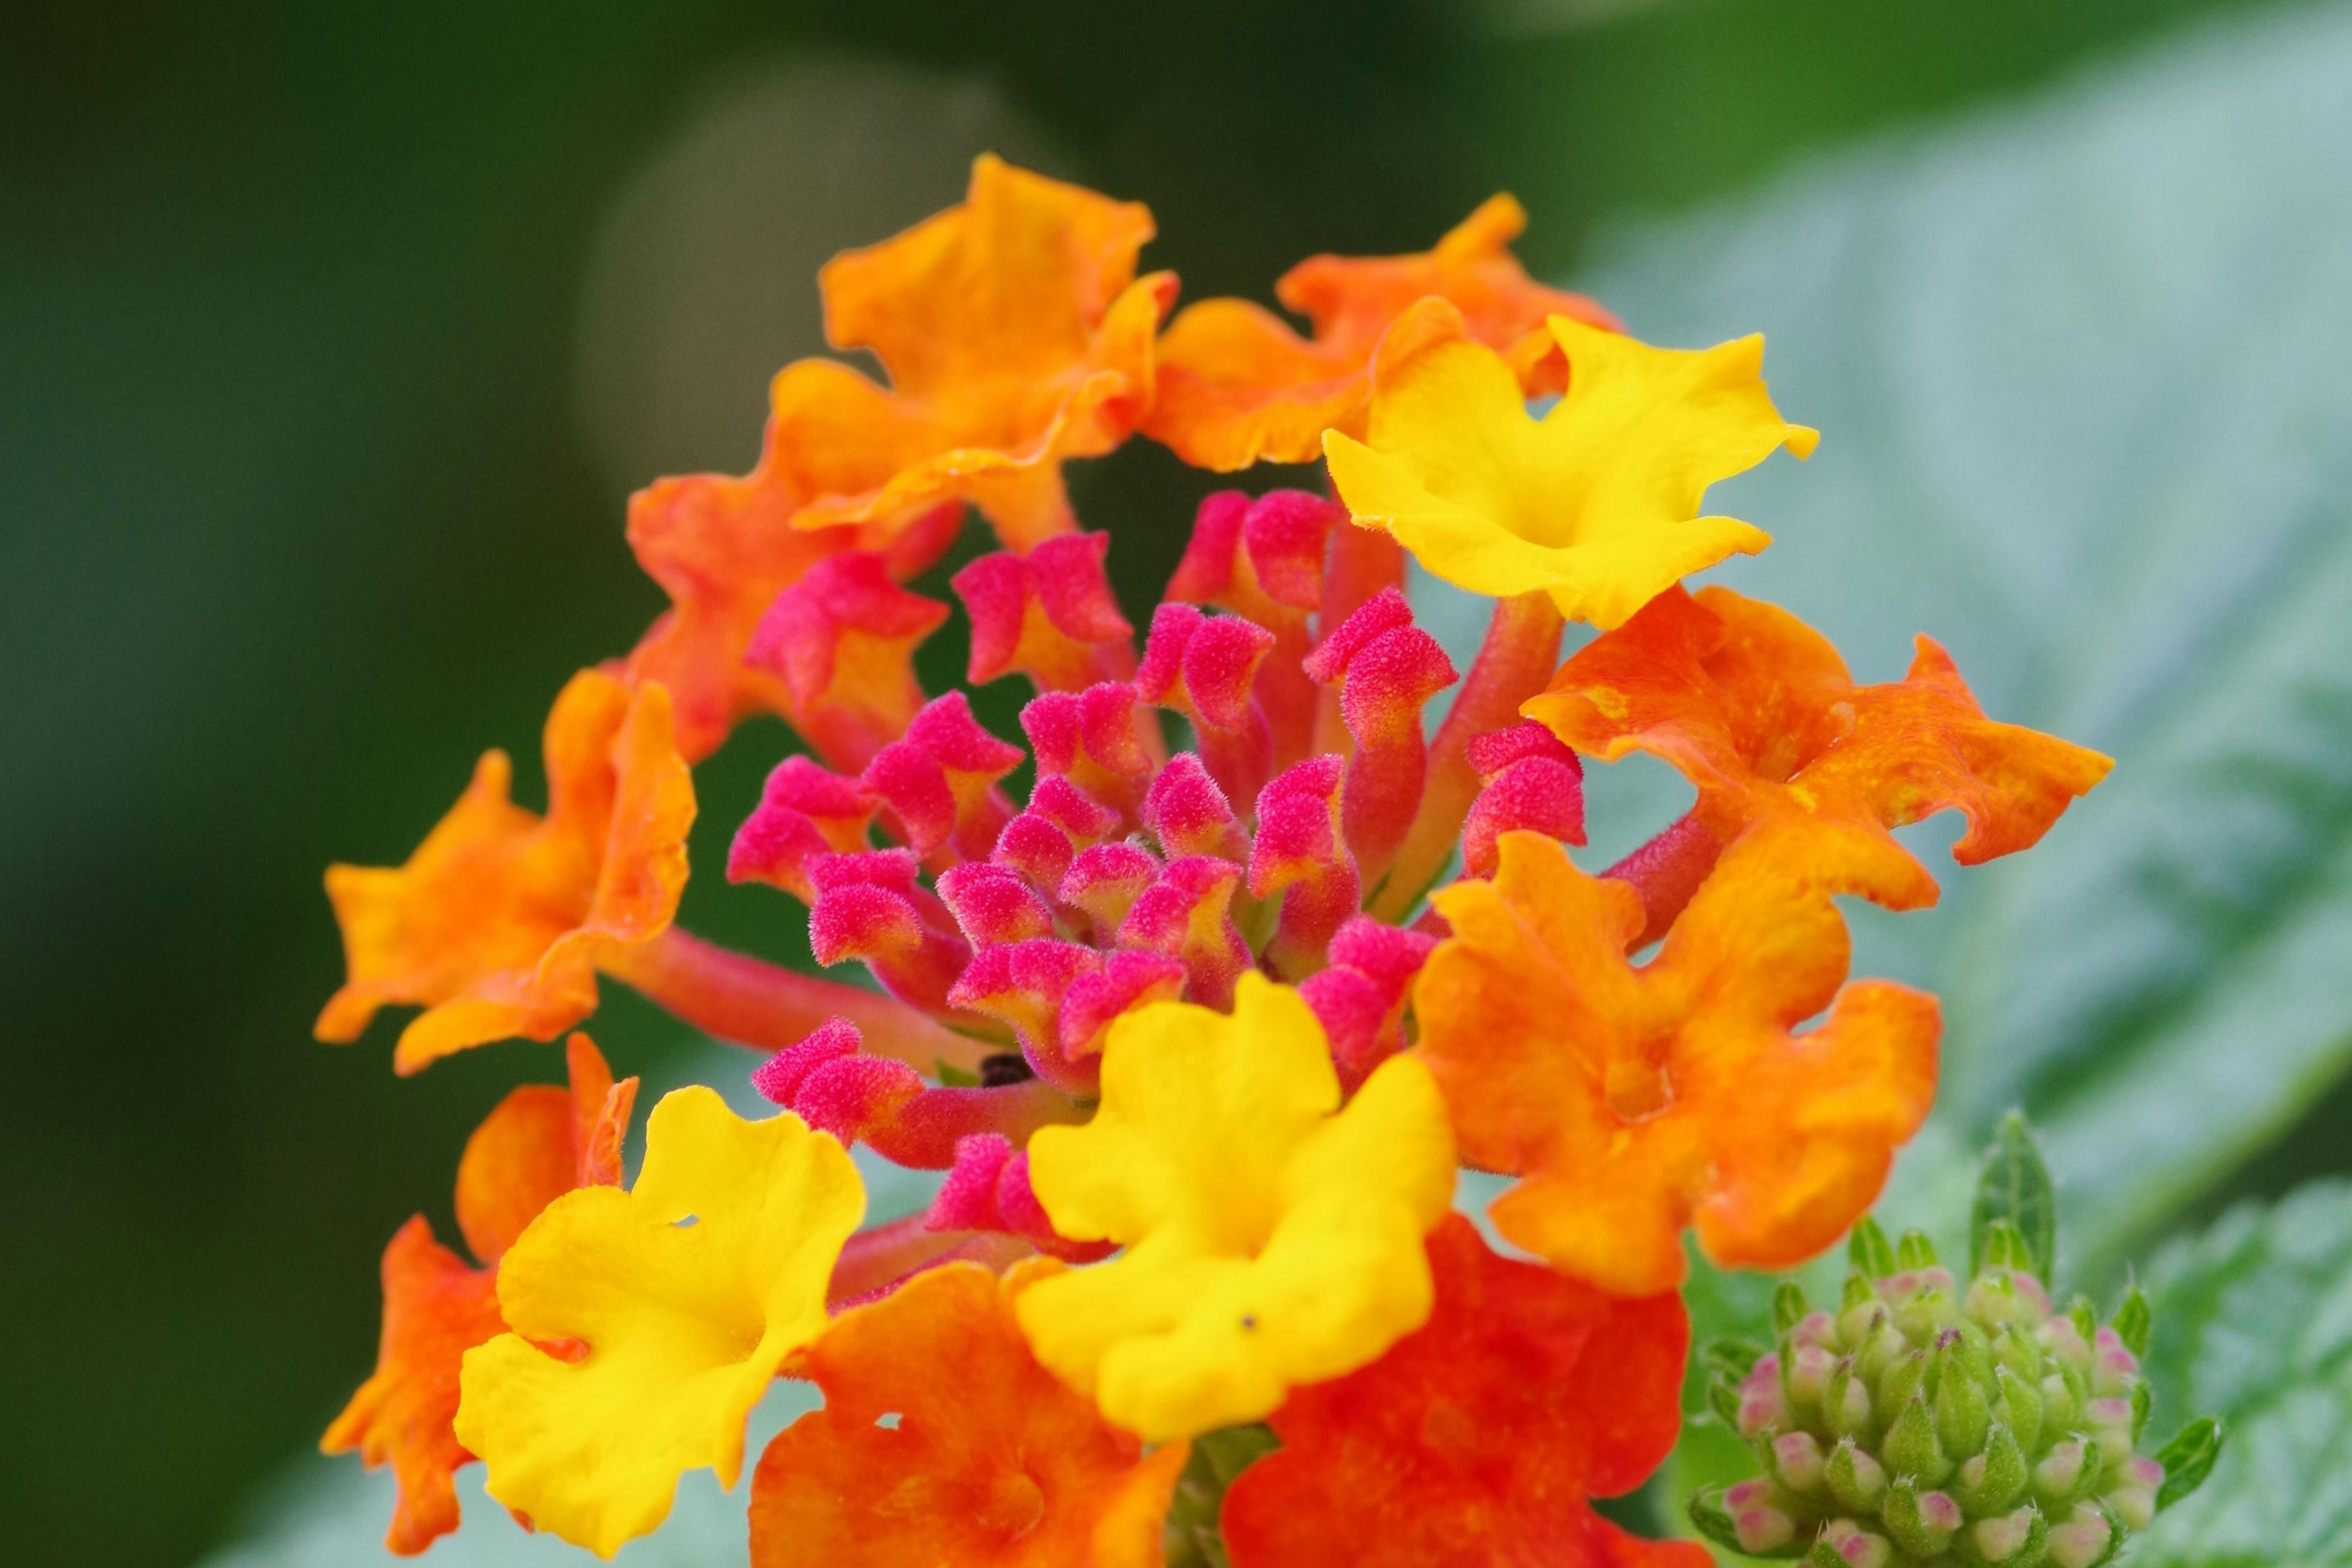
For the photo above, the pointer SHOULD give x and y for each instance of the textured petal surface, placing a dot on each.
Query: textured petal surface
(1638, 1102)
(1237, 384)
(1477, 1438)
(496, 922)
(1269, 1241)
(1016, 334)
(686, 1291)
(1756, 708)
(942, 1443)
(1597, 502)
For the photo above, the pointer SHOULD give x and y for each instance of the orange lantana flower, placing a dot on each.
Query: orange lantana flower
(1757, 709)
(723, 548)
(540, 1142)
(942, 1443)
(498, 922)
(1477, 1438)
(1237, 385)
(1016, 334)
(1636, 1101)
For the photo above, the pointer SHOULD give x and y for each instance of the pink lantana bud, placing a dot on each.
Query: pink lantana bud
(1386, 668)
(1360, 998)
(1203, 666)
(1529, 781)
(842, 640)
(938, 783)
(993, 904)
(1050, 616)
(1265, 560)
(869, 907)
(1186, 914)
(1127, 979)
(1026, 984)
(1299, 854)
(778, 1079)
(1105, 882)
(988, 1188)
(1033, 847)
(1090, 739)
(1189, 813)
(803, 812)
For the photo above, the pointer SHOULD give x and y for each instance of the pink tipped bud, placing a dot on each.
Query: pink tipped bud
(804, 812)
(1204, 667)
(1798, 1460)
(1036, 848)
(1284, 539)
(1127, 980)
(862, 921)
(1355, 1014)
(1391, 956)
(938, 783)
(1762, 1530)
(778, 1080)
(842, 641)
(993, 904)
(1186, 915)
(1090, 739)
(869, 907)
(1189, 813)
(1535, 795)
(988, 1188)
(2060, 1473)
(1300, 854)
(1050, 616)
(2004, 1535)
(2114, 1369)
(1388, 669)
(2134, 1502)
(1206, 573)
(1075, 812)
(1496, 750)
(1026, 984)
(1856, 1547)
(2081, 1539)
(1105, 882)
(854, 1097)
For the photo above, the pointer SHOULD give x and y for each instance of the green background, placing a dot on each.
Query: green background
(332, 342)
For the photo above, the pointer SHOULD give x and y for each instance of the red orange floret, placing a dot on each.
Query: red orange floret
(1016, 336)
(497, 923)
(1476, 1441)
(1638, 1102)
(1237, 385)
(538, 1144)
(1757, 709)
(942, 1443)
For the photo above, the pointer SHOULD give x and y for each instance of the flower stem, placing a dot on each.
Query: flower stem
(1666, 871)
(766, 1007)
(875, 1259)
(1521, 648)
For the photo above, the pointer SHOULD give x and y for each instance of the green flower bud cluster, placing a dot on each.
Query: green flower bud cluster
(1925, 1421)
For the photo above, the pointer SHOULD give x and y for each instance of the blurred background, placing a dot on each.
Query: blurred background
(332, 339)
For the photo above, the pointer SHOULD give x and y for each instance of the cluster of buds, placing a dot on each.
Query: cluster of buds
(1129, 875)
(1929, 1420)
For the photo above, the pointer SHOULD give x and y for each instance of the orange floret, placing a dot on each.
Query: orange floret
(1238, 386)
(498, 922)
(1636, 1101)
(1476, 1440)
(1757, 709)
(942, 1443)
(540, 1142)
(1016, 334)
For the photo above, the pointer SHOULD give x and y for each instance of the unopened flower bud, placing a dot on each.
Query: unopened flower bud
(1845, 1402)
(1845, 1544)
(1996, 1478)
(1808, 1373)
(2017, 1536)
(2060, 1475)
(1911, 1448)
(1856, 1479)
(2018, 1407)
(1963, 1414)
(1922, 1523)
(2134, 1502)
(2081, 1541)
(1903, 1378)
(1797, 1461)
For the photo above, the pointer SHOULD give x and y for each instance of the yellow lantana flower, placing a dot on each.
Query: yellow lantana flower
(1272, 1238)
(687, 1291)
(1597, 502)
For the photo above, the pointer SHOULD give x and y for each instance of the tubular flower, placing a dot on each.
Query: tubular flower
(1637, 1101)
(538, 1145)
(679, 1326)
(1237, 385)
(1079, 950)
(1272, 1237)
(942, 1443)
(1597, 502)
(1757, 709)
(1478, 1437)
(498, 922)
(1016, 335)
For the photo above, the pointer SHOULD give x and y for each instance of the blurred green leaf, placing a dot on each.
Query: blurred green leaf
(2254, 1326)
(2079, 371)
(2013, 1190)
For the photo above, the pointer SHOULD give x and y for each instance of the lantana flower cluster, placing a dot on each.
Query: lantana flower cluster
(1200, 1030)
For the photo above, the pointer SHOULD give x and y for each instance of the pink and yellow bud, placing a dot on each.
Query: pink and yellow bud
(843, 641)
(803, 813)
(1049, 614)
(1387, 668)
(1203, 666)
(1186, 914)
(1090, 739)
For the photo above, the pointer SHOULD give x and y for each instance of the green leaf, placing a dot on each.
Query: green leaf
(2015, 1195)
(1869, 1250)
(2133, 1321)
(2078, 366)
(2253, 1336)
(953, 1076)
